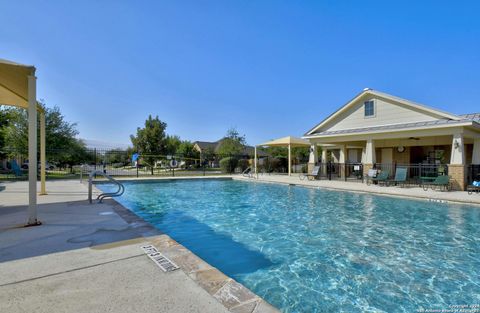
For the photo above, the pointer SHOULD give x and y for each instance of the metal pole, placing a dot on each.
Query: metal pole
(42, 154)
(255, 161)
(289, 160)
(32, 151)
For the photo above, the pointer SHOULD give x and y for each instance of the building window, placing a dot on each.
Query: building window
(369, 108)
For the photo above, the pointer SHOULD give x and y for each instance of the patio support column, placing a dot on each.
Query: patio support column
(324, 155)
(289, 160)
(32, 151)
(476, 151)
(313, 158)
(368, 156)
(342, 160)
(42, 154)
(456, 169)
(458, 153)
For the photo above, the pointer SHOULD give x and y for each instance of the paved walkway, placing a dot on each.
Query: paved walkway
(416, 192)
(87, 258)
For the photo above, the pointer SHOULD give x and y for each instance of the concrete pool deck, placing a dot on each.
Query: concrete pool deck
(87, 258)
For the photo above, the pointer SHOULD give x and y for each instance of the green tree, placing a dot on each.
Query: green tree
(60, 135)
(5, 117)
(187, 150)
(172, 143)
(150, 140)
(232, 144)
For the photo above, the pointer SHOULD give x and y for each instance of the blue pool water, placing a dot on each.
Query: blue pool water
(310, 250)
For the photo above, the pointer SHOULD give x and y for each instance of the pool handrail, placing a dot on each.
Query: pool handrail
(100, 197)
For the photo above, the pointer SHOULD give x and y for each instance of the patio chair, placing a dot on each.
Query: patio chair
(475, 186)
(472, 188)
(382, 177)
(400, 177)
(372, 173)
(313, 175)
(247, 172)
(442, 182)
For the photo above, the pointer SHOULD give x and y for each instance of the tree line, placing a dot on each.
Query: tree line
(150, 141)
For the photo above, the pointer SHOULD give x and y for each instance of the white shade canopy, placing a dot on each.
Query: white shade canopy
(14, 83)
(287, 141)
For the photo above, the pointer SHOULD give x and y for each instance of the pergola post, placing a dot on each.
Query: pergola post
(32, 151)
(289, 160)
(255, 160)
(42, 154)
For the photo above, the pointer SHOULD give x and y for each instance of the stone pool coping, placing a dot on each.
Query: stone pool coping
(416, 193)
(454, 197)
(231, 294)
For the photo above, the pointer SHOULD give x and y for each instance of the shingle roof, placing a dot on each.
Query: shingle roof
(465, 118)
(471, 116)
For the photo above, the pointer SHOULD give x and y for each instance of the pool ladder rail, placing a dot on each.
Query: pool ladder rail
(100, 197)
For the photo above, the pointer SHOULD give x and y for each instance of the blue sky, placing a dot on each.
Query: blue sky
(268, 68)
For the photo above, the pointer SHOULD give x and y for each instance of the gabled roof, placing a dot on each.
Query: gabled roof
(420, 107)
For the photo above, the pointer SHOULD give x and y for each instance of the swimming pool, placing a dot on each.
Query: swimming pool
(316, 250)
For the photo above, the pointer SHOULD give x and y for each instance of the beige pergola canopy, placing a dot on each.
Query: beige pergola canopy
(286, 141)
(18, 88)
(290, 142)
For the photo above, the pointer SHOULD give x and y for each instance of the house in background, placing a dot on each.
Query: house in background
(383, 131)
(207, 149)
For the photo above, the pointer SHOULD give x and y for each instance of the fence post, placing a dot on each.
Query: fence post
(95, 161)
(137, 168)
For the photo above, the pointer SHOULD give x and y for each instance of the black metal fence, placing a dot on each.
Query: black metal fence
(340, 171)
(416, 173)
(473, 173)
(71, 164)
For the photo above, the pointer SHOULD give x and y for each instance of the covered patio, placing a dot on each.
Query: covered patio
(425, 153)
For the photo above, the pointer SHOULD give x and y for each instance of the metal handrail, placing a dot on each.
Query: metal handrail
(100, 197)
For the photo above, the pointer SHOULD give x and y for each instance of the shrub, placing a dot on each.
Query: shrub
(243, 164)
(228, 165)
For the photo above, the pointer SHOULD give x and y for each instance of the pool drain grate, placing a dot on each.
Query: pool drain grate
(162, 261)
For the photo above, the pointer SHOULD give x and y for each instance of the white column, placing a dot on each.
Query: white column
(313, 158)
(363, 156)
(42, 154)
(458, 153)
(289, 160)
(32, 151)
(370, 157)
(324, 155)
(342, 154)
(476, 151)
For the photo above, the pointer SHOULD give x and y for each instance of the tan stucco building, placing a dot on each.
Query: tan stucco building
(380, 130)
